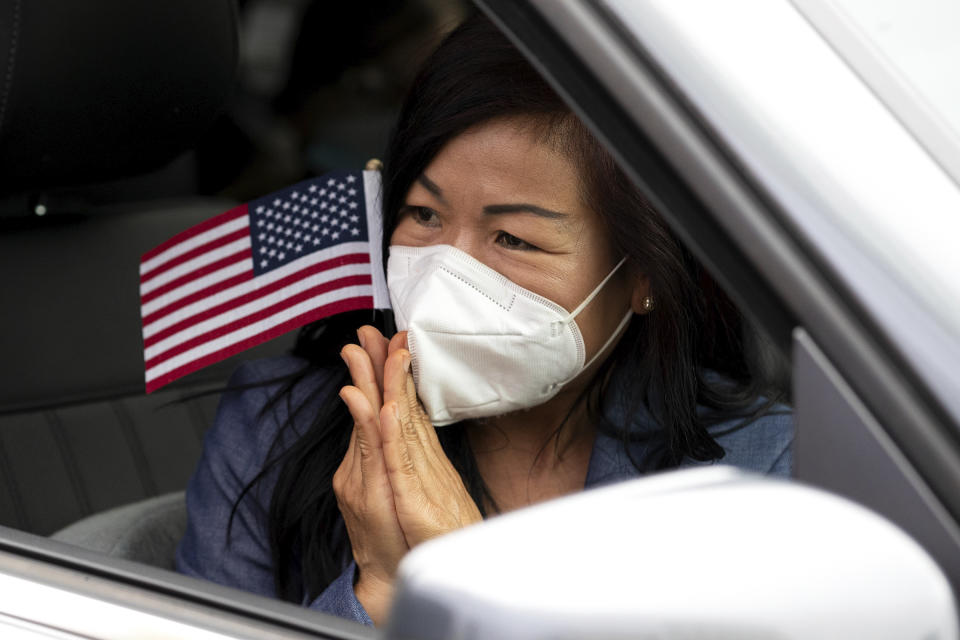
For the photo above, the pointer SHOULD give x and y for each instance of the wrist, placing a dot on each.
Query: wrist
(375, 594)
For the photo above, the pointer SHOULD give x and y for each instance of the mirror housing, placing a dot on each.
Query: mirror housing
(704, 553)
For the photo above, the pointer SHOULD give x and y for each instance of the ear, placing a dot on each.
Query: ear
(641, 291)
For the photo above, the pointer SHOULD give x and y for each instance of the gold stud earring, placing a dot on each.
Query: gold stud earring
(647, 303)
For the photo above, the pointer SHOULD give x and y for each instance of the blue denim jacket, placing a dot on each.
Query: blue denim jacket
(235, 450)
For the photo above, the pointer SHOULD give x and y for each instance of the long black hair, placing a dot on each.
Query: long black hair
(669, 359)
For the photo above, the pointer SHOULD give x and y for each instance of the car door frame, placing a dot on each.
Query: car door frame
(74, 575)
(733, 224)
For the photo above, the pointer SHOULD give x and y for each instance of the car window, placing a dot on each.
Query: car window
(81, 447)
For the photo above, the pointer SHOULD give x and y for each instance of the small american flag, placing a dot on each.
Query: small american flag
(260, 270)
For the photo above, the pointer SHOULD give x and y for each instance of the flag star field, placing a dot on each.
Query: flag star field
(297, 221)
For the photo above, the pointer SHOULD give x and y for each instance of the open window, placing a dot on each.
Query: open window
(877, 409)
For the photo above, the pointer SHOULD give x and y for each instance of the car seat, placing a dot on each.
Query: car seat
(100, 102)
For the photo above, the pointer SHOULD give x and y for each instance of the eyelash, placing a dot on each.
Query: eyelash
(504, 239)
(417, 212)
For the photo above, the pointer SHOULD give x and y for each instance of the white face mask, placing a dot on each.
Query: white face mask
(481, 345)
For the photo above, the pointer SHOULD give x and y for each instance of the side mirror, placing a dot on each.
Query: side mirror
(704, 553)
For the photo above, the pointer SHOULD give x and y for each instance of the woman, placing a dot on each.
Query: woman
(505, 222)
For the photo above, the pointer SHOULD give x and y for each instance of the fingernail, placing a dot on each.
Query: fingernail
(406, 364)
(363, 343)
(344, 356)
(396, 411)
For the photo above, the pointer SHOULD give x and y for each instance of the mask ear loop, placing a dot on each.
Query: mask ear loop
(616, 334)
(593, 294)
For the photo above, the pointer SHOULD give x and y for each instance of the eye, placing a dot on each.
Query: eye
(508, 241)
(424, 216)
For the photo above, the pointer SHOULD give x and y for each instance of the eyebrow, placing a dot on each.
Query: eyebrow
(431, 186)
(494, 209)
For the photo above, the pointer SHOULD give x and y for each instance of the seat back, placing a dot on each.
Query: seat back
(103, 89)
(77, 433)
(92, 93)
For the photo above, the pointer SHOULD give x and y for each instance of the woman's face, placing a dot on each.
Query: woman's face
(498, 194)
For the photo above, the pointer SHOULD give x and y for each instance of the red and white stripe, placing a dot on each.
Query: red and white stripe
(200, 302)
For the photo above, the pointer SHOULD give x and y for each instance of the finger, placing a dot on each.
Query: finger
(427, 431)
(398, 341)
(375, 345)
(401, 470)
(399, 388)
(395, 374)
(352, 455)
(344, 472)
(362, 373)
(355, 461)
(393, 387)
(366, 427)
(413, 419)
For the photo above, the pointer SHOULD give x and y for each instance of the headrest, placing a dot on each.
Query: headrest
(98, 90)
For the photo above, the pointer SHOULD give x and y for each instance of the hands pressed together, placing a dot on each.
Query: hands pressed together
(395, 487)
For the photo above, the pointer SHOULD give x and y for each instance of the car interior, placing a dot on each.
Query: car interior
(121, 125)
(85, 193)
